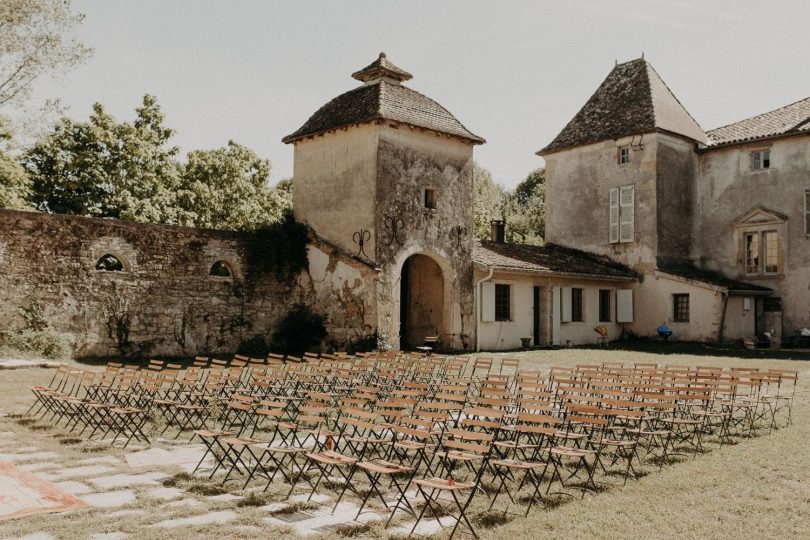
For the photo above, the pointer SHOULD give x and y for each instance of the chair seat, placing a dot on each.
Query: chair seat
(213, 433)
(280, 449)
(462, 456)
(384, 467)
(442, 484)
(331, 458)
(519, 446)
(410, 445)
(240, 441)
(617, 442)
(516, 464)
(572, 452)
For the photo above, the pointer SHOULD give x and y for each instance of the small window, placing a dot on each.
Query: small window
(681, 305)
(109, 263)
(604, 305)
(761, 159)
(624, 155)
(220, 269)
(503, 299)
(576, 305)
(430, 198)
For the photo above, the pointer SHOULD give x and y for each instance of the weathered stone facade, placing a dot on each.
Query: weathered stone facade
(164, 302)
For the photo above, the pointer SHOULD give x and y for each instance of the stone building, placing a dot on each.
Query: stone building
(715, 224)
(385, 173)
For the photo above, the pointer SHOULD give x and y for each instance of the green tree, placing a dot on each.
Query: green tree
(525, 210)
(15, 186)
(228, 188)
(33, 41)
(104, 168)
(488, 202)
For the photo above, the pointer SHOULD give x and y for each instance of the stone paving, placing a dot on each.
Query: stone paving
(121, 484)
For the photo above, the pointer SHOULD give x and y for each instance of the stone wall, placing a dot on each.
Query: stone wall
(164, 302)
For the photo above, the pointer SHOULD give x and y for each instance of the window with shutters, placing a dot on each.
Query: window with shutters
(604, 306)
(503, 298)
(576, 305)
(622, 214)
(624, 155)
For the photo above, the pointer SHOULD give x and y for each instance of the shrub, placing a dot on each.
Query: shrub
(300, 330)
(45, 343)
(255, 346)
(279, 249)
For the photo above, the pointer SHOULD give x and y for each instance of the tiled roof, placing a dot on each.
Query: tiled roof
(793, 118)
(383, 99)
(547, 259)
(713, 278)
(632, 100)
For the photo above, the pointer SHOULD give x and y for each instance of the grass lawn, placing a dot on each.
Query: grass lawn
(756, 488)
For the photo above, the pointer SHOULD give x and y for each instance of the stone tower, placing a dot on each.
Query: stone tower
(385, 173)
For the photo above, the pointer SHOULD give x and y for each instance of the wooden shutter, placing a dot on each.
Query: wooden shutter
(565, 304)
(614, 215)
(555, 316)
(626, 213)
(624, 305)
(487, 301)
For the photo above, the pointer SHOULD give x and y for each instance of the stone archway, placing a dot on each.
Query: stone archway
(421, 301)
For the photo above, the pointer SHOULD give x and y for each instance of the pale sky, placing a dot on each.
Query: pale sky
(512, 72)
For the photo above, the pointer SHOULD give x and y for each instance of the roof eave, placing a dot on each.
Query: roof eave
(754, 140)
(475, 139)
(552, 273)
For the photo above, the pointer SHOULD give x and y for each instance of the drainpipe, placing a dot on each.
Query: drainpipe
(723, 318)
(477, 303)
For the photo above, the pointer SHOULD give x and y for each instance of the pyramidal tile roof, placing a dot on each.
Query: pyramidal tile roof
(382, 97)
(632, 100)
(790, 119)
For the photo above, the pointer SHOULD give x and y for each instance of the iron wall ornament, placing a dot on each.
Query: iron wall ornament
(457, 235)
(360, 238)
(394, 224)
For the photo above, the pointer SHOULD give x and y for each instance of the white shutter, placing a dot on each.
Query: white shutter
(487, 301)
(614, 215)
(624, 305)
(627, 215)
(565, 302)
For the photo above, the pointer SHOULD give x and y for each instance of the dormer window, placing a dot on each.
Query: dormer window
(624, 155)
(430, 198)
(760, 159)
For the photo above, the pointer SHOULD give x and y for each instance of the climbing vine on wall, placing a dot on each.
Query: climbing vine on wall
(279, 249)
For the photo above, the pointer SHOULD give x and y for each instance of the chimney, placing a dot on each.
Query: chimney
(498, 231)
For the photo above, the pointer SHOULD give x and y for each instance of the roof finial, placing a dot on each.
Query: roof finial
(616, 62)
(382, 55)
(642, 55)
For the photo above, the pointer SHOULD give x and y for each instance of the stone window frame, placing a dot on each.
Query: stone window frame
(228, 264)
(761, 222)
(127, 267)
(429, 198)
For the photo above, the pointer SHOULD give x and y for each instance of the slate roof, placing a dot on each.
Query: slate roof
(793, 118)
(713, 278)
(383, 99)
(381, 67)
(547, 259)
(632, 100)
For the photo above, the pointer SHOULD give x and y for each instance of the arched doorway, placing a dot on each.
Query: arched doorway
(421, 307)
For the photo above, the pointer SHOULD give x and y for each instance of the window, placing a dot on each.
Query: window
(624, 155)
(604, 305)
(761, 252)
(430, 198)
(622, 214)
(502, 302)
(109, 263)
(220, 269)
(807, 212)
(761, 159)
(681, 304)
(576, 305)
